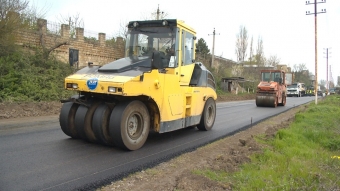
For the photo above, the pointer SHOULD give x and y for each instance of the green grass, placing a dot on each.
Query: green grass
(305, 156)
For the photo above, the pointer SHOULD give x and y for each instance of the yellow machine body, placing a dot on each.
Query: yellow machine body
(173, 88)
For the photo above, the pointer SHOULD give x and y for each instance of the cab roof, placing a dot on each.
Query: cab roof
(161, 23)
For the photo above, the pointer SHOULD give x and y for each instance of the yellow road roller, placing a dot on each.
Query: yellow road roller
(272, 89)
(158, 86)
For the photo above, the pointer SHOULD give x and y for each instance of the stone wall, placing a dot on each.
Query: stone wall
(97, 53)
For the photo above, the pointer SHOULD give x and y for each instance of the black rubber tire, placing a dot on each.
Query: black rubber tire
(100, 124)
(90, 136)
(67, 119)
(256, 102)
(129, 125)
(208, 115)
(80, 121)
(275, 102)
(284, 99)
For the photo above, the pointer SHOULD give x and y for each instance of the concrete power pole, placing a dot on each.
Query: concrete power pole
(158, 13)
(316, 44)
(331, 76)
(213, 48)
(327, 56)
(327, 87)
(327, 72)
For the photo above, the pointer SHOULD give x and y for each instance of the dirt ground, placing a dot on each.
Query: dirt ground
(177, 174)
(30, 109)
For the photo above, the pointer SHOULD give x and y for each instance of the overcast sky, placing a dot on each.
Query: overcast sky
(283, 25)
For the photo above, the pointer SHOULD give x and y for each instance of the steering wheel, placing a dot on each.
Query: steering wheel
(144, 49)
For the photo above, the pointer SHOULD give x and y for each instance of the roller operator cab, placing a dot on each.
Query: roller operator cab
(271, 91)
(157, 86)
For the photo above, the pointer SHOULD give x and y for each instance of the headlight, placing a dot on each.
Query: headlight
(72, 85)
(112, 89)
(165, 23)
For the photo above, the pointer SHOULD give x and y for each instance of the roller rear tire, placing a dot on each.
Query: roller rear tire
(284, 98)
(275, 102)
(208, 116)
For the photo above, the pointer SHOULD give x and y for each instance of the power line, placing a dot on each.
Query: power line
(316, 42)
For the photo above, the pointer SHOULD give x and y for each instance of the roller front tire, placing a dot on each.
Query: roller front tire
(66, 119)
(129, 125)
(100, 124)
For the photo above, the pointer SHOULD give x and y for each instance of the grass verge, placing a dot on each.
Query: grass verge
(304, 156)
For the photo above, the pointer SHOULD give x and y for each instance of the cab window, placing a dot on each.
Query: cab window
(187, 48)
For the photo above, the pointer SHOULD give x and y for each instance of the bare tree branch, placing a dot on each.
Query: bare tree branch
(251, 50)
(241, 44)
(123, 29)
(73, 21)
(56, 46)
(273, 60)
(259, 57)
(11, 20)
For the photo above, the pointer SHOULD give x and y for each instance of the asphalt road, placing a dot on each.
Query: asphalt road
(37, 155)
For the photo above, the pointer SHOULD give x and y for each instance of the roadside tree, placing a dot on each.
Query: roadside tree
(241, 44)
(273, 60)
(259, 57)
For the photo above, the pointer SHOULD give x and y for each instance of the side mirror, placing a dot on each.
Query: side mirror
(198, 50)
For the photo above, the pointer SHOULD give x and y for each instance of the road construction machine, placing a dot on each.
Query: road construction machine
(158, 86)
(271, 91)
(297, 89)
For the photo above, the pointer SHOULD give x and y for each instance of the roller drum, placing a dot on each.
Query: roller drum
(266, 100)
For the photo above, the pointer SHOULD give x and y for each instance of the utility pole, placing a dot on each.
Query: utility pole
(327, 86)
(327, 71)
(213, 54)
(331, 76)
(316, 43)
(158, 12)
(327, 56)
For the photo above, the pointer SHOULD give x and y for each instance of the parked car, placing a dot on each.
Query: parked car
(331, 91)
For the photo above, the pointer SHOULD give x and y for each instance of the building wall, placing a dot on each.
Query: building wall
(97, 53)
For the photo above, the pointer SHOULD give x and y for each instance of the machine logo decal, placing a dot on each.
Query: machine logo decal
(92, 83)
(98, 76)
